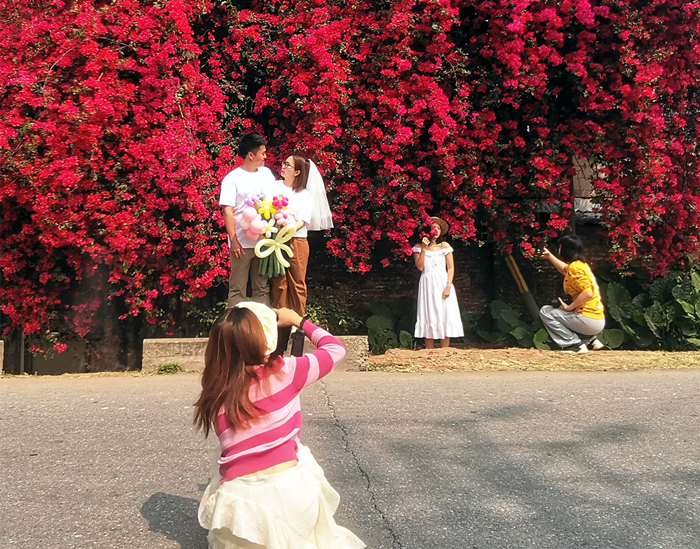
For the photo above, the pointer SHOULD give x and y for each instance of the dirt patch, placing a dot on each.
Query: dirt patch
(470, 360)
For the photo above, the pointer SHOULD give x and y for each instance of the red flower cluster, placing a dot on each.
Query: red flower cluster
(116, 119)
(475, 111)
(108, 182)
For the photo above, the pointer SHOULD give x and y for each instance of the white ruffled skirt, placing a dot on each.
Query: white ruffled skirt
(289, 510)
(437, 318)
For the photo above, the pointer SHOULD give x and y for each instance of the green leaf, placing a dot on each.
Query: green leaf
(693, 341)
(541, 336)
(656, 319)
(518, 332)
(681, 293)
(406, 324)
(405, 339)
(690, 329)
(381, 309)
(525, 340)
(381, 340)
(639, 302)
(603, 273)
(469, 317)
(491, 337)
(695, 281)
(644, 338)
(657, 289)
(611, 338)
(687, 308)
(498, 306)
(509, 317)
(638, 317)
(670, 312)
(619, 302)
(379, 321)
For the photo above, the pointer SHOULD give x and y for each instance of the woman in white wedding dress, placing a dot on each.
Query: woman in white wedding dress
(438, 311)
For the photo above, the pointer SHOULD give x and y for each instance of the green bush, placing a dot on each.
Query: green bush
(204, 317)
(335, 316)
(508, 326)
(169, 368)
(663, 314)
(391, 325)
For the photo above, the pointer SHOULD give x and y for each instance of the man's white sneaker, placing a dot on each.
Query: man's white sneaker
(582, 348)
(596, 345)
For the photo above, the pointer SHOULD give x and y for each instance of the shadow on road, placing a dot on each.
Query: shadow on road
(175, 517)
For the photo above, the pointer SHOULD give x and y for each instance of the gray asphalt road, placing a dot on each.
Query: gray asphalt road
(502, 460)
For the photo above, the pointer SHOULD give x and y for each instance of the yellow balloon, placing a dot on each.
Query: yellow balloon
(277, 245)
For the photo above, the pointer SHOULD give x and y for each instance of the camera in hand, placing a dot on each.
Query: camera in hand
(556, 303)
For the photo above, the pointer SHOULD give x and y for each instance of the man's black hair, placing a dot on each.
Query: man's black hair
(250, 142)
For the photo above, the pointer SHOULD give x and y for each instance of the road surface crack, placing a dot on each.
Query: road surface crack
(396, 543)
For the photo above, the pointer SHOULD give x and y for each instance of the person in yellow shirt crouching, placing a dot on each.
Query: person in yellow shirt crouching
(585, 314)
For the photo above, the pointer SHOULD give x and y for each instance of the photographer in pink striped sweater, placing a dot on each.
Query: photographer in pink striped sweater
(267, 490)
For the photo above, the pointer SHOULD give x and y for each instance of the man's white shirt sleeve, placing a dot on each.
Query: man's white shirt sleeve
(229, 191)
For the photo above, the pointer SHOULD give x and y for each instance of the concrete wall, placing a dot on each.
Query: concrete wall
(189, 353)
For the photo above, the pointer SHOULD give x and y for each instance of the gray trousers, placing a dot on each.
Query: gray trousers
(564, 327)
(241, 270)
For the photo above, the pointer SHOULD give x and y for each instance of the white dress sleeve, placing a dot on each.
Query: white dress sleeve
(447, 250)
(417, 249)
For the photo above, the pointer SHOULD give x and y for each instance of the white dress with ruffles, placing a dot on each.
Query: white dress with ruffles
(437, 318)
(292, 509)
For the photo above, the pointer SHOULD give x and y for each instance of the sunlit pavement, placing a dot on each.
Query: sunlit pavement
(471, 460)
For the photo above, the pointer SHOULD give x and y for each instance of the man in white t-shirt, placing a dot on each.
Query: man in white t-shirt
(250, 178)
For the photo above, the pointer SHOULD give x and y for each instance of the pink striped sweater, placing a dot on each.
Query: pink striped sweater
(272, 438)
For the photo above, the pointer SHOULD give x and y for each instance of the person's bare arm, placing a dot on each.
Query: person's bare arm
(419, 257)
(559, 265)
(582, 298)
(230, 222)
(450, 260)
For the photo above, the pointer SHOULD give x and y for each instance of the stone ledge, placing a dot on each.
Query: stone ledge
(357, 357)
(189, 353)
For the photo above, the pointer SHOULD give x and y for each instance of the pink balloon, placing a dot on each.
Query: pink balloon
(244, 224)
(249, 214)
(257, 226)
(251, 235)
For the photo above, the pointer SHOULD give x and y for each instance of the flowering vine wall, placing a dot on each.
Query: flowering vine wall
(119, 119)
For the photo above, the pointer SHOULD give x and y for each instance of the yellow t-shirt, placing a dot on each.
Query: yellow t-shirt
(579, 278)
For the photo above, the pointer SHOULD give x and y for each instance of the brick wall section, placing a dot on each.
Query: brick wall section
(481, 275)
(328, 277)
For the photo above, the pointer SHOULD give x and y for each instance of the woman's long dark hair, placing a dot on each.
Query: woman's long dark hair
(302, 165)
(571, 249)
(236, 343)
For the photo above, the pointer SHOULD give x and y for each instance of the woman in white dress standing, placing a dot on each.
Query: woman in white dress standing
(438, 311)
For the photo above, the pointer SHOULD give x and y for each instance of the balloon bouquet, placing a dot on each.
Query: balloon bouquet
(269, 222)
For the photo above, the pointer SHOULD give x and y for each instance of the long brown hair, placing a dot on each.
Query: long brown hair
(301, 164)
(236, 344)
